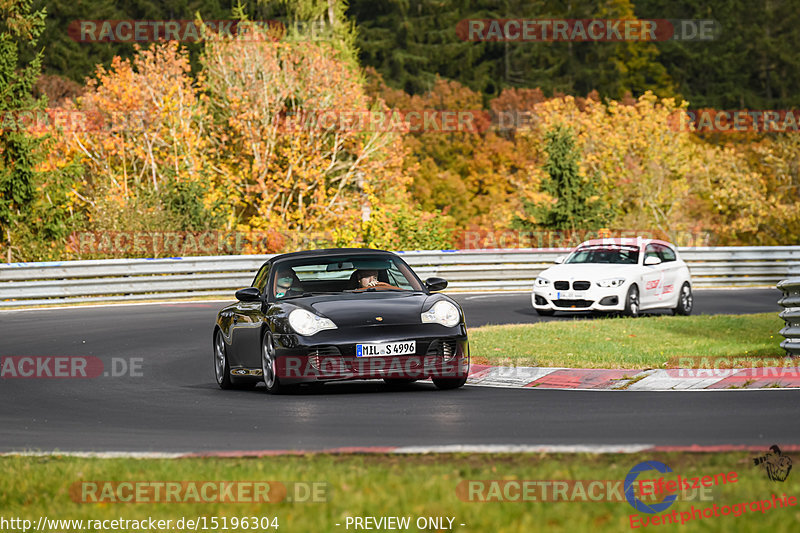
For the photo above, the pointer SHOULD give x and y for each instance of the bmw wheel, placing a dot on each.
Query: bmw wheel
(685, 301)
(632, 306)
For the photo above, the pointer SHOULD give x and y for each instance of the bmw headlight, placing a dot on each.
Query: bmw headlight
(611, 282)
(542, 282)
(307, 323)
(442, 312)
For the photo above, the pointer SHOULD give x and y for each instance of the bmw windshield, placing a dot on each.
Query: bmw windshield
(606, 254)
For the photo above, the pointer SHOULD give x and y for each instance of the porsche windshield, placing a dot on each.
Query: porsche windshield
(620, 255)
(342, 274)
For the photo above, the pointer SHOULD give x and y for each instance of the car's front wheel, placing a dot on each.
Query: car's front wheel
(545, 312)
(452, 383)
(449, 383)
(269, 366)
(685, 301)
(632, 306)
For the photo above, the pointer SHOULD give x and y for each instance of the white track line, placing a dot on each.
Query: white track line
(525, 448)
(443, 449)
(97, 455)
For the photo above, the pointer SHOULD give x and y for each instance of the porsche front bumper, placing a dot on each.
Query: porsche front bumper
(332, 355)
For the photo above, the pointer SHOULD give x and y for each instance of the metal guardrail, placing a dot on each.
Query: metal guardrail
(791, 313)
(27, 284)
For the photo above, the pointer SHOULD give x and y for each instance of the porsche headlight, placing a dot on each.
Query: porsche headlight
(307, 323)
(542, 282)
(442, 312)
(611, 282)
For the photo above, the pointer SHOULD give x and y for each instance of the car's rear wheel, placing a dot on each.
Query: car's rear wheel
(269, 366)
(222, 369)
(632, 306)
(545, 312)
(685, 301)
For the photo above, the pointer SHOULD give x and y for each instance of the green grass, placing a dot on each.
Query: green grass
(646, 342)
(397, 485)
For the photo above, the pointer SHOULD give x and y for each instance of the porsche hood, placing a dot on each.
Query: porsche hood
(370, 308)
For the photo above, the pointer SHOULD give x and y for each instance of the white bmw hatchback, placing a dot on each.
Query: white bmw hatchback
(616, 275)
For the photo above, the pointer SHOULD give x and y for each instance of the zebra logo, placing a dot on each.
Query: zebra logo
(775, 463)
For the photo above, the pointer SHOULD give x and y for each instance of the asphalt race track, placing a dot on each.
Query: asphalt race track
(172, 403)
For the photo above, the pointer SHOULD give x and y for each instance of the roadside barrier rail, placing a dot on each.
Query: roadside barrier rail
(791, 312)
(27, 284)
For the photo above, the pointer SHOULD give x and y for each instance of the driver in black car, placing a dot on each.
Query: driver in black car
(369, 279)
(286, 284)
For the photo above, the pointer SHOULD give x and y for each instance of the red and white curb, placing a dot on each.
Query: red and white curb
(634, 380)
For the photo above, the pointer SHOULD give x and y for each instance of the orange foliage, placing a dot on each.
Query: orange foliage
(308, 177)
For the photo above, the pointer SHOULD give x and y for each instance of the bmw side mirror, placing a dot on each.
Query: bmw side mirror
(652, 261)
(250, 294)
(560, 259)
(435, 284)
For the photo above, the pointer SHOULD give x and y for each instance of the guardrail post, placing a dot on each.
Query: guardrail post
(791, 313)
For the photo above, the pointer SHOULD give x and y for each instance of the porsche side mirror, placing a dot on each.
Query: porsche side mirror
(250, 294)
(652, 261)
(435, 284)
(560, 259)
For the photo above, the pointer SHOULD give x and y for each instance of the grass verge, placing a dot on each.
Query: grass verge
(397, 485)
(645, 342)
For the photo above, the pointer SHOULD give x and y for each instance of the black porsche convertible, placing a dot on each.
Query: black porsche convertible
(340, 314)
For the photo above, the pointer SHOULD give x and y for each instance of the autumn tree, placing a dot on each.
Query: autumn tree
(293, 159)
(19, 150)
(574, 202)
(473, 174)
(143, 150)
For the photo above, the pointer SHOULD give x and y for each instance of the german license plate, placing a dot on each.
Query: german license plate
(569, 295)
(386, 348)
